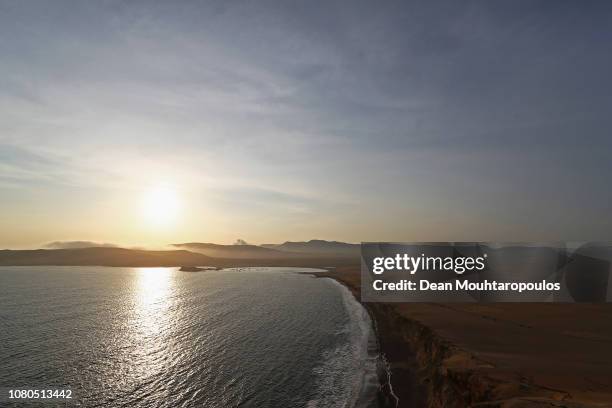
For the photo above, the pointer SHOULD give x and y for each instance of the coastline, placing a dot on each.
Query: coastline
(366, 389)
(400, 385)
(496, 355)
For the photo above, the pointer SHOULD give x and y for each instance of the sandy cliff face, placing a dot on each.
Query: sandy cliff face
(456, 378)
(450, 377)
(494, 355)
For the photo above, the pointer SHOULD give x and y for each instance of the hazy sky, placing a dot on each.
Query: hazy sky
(274, 121)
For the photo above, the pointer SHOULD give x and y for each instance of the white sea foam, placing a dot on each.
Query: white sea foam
(348, 375)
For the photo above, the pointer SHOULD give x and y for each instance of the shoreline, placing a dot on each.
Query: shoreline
(494, 356)
(400, 386)
(368, 385)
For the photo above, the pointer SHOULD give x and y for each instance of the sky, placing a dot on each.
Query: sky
(292, 120)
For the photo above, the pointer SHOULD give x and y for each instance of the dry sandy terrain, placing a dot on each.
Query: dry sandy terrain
(506, 355)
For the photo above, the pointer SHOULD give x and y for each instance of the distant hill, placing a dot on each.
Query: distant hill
(242, 251)
(315, 253)
(317, 247)
(104, 256)
(78, 244)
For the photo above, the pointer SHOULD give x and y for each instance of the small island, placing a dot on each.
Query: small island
(195, 269)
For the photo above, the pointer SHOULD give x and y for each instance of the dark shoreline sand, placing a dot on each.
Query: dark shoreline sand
(493, 355)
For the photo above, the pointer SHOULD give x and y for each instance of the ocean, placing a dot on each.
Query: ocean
(158, 337)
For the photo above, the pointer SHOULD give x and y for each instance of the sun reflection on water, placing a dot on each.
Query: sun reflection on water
(152, 298)
(148, 330)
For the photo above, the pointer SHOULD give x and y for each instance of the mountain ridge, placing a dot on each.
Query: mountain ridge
(101, 256)
(317, 246)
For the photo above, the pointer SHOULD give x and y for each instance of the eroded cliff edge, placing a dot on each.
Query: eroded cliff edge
(505, 355)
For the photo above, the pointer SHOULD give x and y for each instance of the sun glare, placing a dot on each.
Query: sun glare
(161, 206)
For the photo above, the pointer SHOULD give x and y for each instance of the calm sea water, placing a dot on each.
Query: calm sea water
(157, 337)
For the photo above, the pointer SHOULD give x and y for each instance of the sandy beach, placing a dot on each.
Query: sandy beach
(493, 355)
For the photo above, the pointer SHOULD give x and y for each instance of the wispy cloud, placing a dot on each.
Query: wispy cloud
(335, 111)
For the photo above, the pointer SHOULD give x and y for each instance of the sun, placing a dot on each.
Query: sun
(161, 206)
